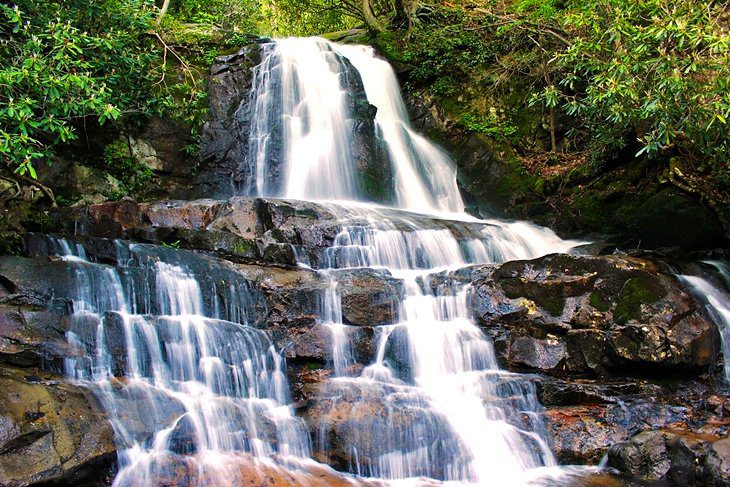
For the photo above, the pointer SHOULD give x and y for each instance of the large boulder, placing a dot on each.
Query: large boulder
(593, 315)
(583, 433)
(677, 457)
(355, 422)
(585, 418)
(717, 464)
(51, 431)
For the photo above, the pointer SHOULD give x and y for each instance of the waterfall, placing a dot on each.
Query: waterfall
(425, 175)
(186, 379)
(305, 122)
(467, 420)
(176, 377)
(716, 299)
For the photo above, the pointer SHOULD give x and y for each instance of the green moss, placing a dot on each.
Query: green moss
(10, 243)
(373, 188)
(519, 181)
(242, 246)
(635, 292)
(352, 36)
(552, 304)
(304, 212)
(597, 301)
(546, 297)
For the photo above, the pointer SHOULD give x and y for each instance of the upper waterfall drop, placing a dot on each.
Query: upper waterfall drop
(425, 176)
(313, 137)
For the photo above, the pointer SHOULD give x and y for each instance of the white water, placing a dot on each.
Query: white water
(717, 303)
(468, 421)
(309, 105)
(208, 388)
(190, 384)
(425, 175)
(298, 95)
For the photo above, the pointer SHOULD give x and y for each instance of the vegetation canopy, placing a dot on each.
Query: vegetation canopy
(633, 79)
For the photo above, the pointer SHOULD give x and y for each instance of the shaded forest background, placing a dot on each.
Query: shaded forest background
(575, 90)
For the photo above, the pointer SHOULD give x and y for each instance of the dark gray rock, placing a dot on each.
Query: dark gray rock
(225, 143)
(593, 315)
(645, 456)
(678, 457)
(717, 464)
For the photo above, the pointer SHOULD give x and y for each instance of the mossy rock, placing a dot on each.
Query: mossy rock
(597, 301)
(635, 292)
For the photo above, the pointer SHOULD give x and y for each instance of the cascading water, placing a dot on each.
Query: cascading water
(439, 405)
(187, 382)
(716, 298)
(181, 383)
(301, 140)
(425, 176)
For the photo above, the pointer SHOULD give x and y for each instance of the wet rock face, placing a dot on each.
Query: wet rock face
(33, 318)
(51, 431)
(369, 151)
(597, 316)
(717, 464)
(224, 142)
(240, 229)
(352, 427)
(678, 457)
(587, 418)
(244, 470)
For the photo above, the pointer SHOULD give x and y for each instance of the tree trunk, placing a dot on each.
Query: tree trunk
(368, 16)
(553, 143)
(405, 11)
(163, 11)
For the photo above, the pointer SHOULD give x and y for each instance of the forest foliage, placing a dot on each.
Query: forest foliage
(651, 76)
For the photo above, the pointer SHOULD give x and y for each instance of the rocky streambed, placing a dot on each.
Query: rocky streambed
(626, 363)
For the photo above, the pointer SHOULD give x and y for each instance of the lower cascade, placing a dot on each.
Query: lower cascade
(193, 382)
(177, 348)
(444, 409)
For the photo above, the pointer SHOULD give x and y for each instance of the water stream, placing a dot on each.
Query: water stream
(445, 410)
(181, 383)
(169, 350)
(716, 298)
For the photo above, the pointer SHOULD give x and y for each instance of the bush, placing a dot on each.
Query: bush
(61, 62)
(658, 69)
